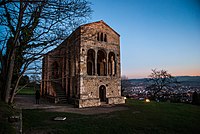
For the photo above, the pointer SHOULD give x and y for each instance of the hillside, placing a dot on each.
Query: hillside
(189, 80)
(184, 80)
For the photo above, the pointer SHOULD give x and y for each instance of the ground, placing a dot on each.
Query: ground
(28, 102)
(135, 116)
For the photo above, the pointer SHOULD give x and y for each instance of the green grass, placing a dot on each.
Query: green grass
(140, 118)
(27, 91)
(6, 111)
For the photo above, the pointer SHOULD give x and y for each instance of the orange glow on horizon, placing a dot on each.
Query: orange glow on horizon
(185, 72)
(145, 74)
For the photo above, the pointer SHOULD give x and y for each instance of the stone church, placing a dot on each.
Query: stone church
(85, 68)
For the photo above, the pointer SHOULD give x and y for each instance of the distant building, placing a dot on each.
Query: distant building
(85, 68)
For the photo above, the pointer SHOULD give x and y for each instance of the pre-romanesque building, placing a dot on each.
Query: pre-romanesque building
(85, 68)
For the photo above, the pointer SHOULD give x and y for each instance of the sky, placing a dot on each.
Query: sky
(154, 34)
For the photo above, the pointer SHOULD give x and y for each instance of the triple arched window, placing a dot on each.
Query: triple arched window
(102, 37)
(102, 65)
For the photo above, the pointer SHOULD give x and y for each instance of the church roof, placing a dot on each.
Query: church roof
(92, 23)
(101, 21)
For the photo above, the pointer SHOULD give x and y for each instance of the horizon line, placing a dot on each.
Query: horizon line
(173, 76)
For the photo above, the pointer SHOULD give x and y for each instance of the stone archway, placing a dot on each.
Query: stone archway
(111, 64)
(102, 93)
(101, 63)
(91, 62)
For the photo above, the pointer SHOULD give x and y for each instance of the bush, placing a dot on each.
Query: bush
(196, 98)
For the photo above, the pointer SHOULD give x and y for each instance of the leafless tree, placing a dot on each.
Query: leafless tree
(160, 80)
(29, 29)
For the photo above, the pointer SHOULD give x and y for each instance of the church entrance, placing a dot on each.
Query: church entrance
(102, 93)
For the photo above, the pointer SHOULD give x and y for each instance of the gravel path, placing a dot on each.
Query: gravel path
(28, 102)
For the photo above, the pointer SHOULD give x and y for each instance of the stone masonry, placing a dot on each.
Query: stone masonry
(85, 67)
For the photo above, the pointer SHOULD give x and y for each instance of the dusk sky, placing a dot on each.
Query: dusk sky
(161, 34)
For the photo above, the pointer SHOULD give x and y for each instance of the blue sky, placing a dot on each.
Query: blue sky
(161, 34)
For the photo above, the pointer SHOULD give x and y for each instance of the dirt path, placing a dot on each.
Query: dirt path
(28, 102)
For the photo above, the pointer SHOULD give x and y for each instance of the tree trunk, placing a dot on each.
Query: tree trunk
(10, 66)
(8, 70)
(9, 77)
(15, 89)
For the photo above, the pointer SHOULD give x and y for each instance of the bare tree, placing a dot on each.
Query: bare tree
(160, 80)
(31, 28)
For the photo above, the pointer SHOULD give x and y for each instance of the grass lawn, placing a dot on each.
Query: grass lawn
(27, 91)
(141, 118)
(5, 112)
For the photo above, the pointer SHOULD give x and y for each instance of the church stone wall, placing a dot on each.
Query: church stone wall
(92, 84)
(88, 80)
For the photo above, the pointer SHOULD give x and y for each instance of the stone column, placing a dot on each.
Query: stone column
(113, 71)
(116, 67)
(107, 59)
(95, 63)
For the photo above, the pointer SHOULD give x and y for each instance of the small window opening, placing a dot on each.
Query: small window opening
(98, 36)
(105, 38)
(101, 36)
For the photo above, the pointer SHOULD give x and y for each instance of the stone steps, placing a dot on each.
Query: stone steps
(60, 93)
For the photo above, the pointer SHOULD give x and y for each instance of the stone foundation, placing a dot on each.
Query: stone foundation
(81, 103)
(116, 100)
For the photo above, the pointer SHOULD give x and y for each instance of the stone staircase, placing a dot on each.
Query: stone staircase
(60, 93)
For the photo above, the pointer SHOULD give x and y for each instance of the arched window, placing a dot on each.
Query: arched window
(102, 93)
(111, 64)
(98, 36)
(101, 36)
(91, 62)
(105, 37)
(101, 63)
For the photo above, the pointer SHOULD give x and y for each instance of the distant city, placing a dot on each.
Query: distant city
(136, 89)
